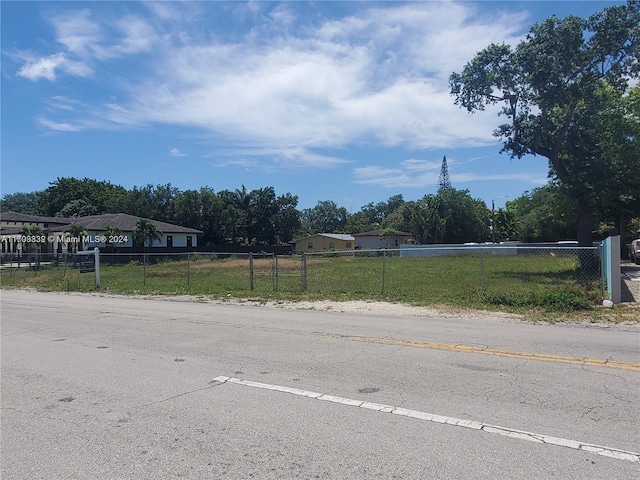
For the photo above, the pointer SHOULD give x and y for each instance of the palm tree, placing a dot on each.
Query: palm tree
(110, 231)
(146, 232)
(242, 203)
(34, 233)
(76, 232)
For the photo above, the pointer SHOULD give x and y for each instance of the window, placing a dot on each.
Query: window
(169, 241)
(332, 244)
(310, 245)
(189, 241)
(348, 244)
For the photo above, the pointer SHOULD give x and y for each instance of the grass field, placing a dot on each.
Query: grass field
(505, 282)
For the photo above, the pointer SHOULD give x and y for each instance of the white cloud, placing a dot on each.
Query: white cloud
(272, 157)
(86, 41)
(46, 67)
(393, 177)
(415, 165)
(245, 163)
(137, 36)
(91, 39)
(378, 77)
(42, 68)
(77, 32)
(361, 79)
(532, 178)
(407, 176)
(57, 126)
(175, 152)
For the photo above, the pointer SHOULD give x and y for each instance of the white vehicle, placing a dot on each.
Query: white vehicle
(635, 251)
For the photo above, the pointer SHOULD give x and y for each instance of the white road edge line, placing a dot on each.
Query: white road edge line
(485, 427)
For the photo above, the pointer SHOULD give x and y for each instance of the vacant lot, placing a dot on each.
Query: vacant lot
(548, 282)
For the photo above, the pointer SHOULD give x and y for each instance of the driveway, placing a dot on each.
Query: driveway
(630, 282)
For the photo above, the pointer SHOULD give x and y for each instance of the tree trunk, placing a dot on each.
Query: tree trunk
(622, 229)
(585, 222)
(587, 258)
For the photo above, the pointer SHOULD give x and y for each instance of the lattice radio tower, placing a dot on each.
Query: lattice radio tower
(444, 182)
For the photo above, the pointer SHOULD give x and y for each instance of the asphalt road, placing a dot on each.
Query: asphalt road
(97, 387)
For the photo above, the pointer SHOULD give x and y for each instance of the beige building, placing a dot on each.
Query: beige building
(325, 242)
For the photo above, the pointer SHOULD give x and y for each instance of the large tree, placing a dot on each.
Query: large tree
(325, 217)
(615, 120)
(21, 202)
(544, 214)
(372, 216)
(546, 81)
(262, 211)
(450, 216)
(210, 209)
(287, 220)
(423, 219)
(98, 195)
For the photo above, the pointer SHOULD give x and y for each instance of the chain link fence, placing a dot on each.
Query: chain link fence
(423, 274)
(506, 275)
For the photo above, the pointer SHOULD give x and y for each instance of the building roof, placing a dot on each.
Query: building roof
(11, 230)
(123, 221)
(127, 223)
(377, 233)
(23, 217)
(336, 236)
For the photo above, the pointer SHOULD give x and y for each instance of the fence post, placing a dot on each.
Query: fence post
(482, 268)
(304, 272)
(611, 256)
(384, 268)
(250, 271)
(275, 272)
(96, 253)
(188, 270)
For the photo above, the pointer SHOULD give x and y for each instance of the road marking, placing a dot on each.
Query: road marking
(453, 347)
(430, 417)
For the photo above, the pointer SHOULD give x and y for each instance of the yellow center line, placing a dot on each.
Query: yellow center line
(452, 347)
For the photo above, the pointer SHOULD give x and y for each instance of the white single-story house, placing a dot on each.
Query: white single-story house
(172, 236)
(56, 231)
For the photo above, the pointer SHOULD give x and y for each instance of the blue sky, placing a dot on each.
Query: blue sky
(341, 101)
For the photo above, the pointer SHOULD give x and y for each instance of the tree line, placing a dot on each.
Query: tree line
(261, 217)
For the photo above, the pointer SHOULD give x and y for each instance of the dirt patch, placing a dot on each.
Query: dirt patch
(39, 280)
(233, 263)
